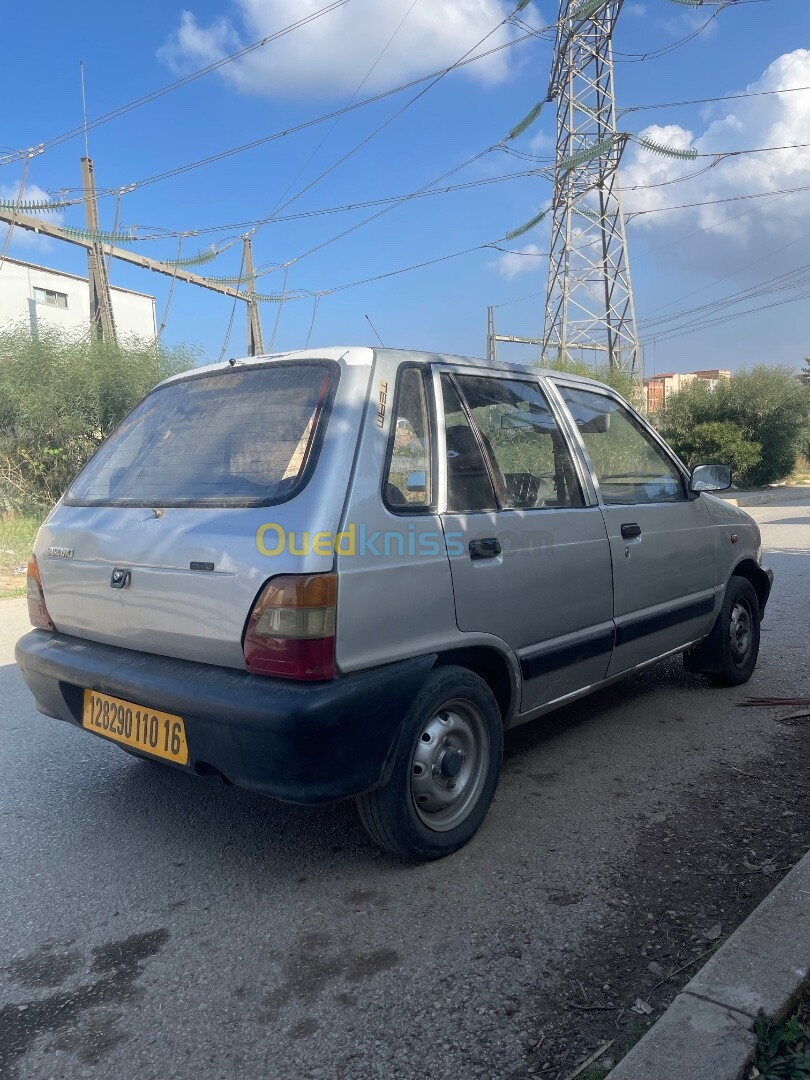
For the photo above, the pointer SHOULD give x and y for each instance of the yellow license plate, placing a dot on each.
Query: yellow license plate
(157, 733)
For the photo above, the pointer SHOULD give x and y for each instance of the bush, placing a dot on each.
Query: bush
(60, 396)
(764, 409)
(723, 442)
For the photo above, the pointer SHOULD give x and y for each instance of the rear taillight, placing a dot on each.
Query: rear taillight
(37, 609)
(291, 629)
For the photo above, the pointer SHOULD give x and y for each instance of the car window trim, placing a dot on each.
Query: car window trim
(639, 421)
(219, 503)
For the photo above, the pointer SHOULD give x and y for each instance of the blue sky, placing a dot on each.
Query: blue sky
(679, 259)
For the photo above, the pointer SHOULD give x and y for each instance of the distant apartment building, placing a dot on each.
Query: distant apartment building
(659, 388)
(44, 297)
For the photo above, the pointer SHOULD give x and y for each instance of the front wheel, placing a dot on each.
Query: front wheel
(445, 769)
(739, 634)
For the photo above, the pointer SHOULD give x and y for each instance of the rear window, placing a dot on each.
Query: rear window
(241, 438)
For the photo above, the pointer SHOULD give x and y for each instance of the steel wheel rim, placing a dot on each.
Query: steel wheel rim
(741, 628)
(450, 764)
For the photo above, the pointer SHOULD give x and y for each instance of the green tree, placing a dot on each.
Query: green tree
(60, 395)
(767, 408)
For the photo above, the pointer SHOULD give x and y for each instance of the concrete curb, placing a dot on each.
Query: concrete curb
(771, 497)
(707, 1033)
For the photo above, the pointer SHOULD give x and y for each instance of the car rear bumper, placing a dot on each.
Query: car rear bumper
(308, 743)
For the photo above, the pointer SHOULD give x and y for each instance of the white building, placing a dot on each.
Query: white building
(44, 297)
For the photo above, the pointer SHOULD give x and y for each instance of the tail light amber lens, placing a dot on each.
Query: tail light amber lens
(37, 609)
(291, 629)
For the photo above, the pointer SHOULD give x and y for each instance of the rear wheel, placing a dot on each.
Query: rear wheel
(739, 634)
(445, 769)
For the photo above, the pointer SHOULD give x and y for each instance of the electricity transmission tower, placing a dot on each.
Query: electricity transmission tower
(589, 303)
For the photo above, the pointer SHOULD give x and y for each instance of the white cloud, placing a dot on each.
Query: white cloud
(23, 237)
(778, 120)
(543, 143)
(522, 261)
(638, 11)
(332, 54)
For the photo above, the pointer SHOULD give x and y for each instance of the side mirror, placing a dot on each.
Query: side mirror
(710, 478)
(417, 482)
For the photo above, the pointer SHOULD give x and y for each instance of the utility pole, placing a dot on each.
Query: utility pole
(508, 339)
(255, 343)
(492, 344)
(101, 311)
(589, 302)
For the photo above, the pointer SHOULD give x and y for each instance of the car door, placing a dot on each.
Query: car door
(661, 537)
(529, 553)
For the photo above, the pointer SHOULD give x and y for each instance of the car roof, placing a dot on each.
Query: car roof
(364, 356)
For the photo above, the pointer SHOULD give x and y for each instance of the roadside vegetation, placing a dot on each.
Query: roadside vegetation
(60, 396)
(783, 1050)
(758, 422)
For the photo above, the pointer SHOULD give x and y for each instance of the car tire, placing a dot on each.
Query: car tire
(739, 634)
(444, 772)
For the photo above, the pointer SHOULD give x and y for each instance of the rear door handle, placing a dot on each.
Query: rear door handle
(489, 548)
(630, 529)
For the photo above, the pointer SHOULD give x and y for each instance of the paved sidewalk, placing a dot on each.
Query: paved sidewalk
(707, 1032)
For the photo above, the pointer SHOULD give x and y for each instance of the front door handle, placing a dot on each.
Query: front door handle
(630, 530)
(489, 548)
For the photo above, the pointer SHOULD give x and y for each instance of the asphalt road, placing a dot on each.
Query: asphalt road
(153, 924)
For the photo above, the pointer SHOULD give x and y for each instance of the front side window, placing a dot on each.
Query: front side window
(236, 438)
(532, 460)
(408, 476)
(629, 465)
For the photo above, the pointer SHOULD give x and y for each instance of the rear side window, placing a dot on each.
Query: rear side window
(240, 438)
(469, 487)
(408, 480)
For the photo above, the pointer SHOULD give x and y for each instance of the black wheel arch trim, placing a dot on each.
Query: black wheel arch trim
(761, 577)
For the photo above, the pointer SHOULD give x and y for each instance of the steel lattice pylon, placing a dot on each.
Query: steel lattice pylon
(589, 304)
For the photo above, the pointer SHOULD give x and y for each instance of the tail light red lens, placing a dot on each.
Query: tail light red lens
(291, 629)
(37, 609)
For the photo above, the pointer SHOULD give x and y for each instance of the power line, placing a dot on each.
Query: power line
(295, 128)
(360, 86)
(709, 100)
(325, 211)
(714, 202)
(386, 210)
(145, 99)
(381, 127)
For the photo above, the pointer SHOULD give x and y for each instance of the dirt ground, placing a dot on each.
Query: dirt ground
(689, 881)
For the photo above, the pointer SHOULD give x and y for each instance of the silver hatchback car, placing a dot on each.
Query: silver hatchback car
(346, 572)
